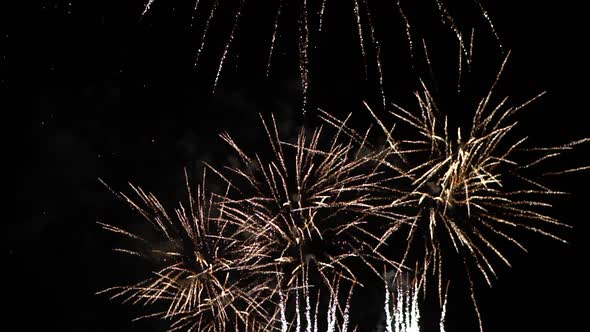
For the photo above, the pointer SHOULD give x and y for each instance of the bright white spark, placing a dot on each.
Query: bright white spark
(147, 7)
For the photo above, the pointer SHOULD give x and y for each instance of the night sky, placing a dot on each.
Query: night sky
(98, 91)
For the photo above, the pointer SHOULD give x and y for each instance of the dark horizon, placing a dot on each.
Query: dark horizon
(103, 93)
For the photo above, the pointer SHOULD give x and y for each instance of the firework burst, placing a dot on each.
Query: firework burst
(461, 195)
(204, 282)
(306, 206)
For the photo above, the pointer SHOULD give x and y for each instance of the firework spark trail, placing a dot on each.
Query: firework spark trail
(490, 22)
(427, 59)
(321, 19)
(357, 14)
(206, 32)
(194, 15)
(304, 54)
(408, 30)
(345, 315)
(387, 309)
(378, 61)
(283, 311)
(307, 300)
(474, 299)
(147, 7)
(447, 18)
(275, 32)
(466, 57)
(443, 314)
(228, 44)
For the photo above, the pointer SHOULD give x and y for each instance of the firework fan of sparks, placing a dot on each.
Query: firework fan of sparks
(204, 282)
(461, 195)
(308, 19)
(299, 310)
(306, 206)
(402, 304)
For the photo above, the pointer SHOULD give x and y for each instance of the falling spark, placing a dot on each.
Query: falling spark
(377, 56)
(485, 14)
(357, 14)
(322, 11)
(275, 32)
(446, 18)
(194, 15)
(304, 54)
(408, 29)
(205, 32)
(147, 7)
(228, 44)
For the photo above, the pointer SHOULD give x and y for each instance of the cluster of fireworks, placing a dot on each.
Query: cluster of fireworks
(295, 226)
(298, 231)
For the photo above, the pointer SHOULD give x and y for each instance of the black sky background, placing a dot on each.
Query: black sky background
(95, 91)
